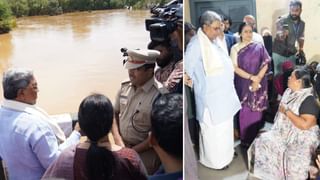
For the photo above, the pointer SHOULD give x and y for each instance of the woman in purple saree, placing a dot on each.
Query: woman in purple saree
(251, 61)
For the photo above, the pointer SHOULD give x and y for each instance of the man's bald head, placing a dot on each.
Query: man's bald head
(251, 20)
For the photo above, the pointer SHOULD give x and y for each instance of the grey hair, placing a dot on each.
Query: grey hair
(249, 16)
(15, 79)
(208, 18)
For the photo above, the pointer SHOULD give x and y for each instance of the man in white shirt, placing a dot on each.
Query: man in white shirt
(212, 74)
(29, 139)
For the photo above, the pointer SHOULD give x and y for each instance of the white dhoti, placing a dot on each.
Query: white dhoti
(216, 142)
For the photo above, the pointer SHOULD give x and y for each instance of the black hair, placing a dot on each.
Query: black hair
(188, 27)
(166, 123)
(241, 26)
(296, 3)
(95, 120)
(286, 75)
(304, 76)
(312, 70)
(227, 18)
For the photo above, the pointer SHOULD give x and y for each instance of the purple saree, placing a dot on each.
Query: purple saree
(252, 58)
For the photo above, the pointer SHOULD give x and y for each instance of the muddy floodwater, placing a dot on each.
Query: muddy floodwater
(74, 54)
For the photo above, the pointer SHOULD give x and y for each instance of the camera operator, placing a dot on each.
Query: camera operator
(169, 71)
(165, 28)
(290, 33)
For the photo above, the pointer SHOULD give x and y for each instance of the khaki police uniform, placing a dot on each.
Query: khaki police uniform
(134, 104)
(134, 107)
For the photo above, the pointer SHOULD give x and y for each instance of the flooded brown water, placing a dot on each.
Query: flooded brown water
(74, 54)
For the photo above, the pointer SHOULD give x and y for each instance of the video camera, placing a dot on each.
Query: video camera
(125, 55)
(164, 20)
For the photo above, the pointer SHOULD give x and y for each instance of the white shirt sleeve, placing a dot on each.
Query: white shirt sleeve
(74, 138)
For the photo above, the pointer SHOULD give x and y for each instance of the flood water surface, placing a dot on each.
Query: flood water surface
(73, 55)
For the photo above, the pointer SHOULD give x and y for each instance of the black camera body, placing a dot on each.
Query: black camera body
(124, 54)
(164, 20)
(301, 59)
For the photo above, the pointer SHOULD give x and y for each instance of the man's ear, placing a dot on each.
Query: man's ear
(20, 93)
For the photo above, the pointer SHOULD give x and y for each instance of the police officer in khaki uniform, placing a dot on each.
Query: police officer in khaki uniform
(133, 106)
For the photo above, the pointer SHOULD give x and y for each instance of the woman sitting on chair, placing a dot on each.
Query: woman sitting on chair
(284, 152)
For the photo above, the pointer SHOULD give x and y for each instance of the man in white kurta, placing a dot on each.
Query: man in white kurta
(212, 74)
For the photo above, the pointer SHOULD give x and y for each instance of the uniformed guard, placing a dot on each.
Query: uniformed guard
(133, 106)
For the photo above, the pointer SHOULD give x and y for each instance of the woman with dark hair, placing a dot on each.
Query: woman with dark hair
(97, 158)
(281, 80)
(284, 152)
(251, 62)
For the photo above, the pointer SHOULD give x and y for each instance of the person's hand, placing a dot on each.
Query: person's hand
(174, 78)
(313, 172)
(118, 140)
(77, 128)
(187, 80)
(255, 79)
(301, 50)
(285, 33)
(318, 161)
(255, 87)
(283, 108)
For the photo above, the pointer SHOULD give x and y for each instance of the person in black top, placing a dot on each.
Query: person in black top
(285, 151)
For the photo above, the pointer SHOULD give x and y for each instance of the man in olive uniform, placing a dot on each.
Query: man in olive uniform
(133, 106)
(289, 40)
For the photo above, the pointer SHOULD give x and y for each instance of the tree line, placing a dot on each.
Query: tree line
(9, 9)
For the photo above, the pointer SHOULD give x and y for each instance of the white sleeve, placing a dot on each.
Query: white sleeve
(74, 138)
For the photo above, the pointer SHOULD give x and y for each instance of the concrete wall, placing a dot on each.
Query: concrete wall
(269, 10)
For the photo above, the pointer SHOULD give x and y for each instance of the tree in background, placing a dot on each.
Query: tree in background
(54, 8)
(82, 5)
(19, 7)
(37, 7)
(6, 19)
(116, 4)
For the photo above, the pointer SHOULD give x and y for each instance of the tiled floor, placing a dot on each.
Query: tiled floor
(237, 169)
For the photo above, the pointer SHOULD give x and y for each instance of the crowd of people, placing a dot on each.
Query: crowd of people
(235, 87)
(140, 136)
